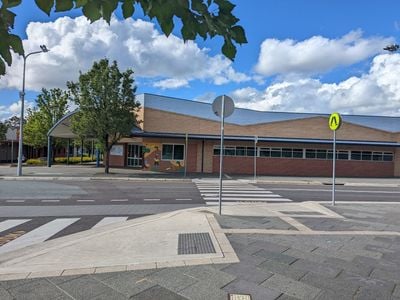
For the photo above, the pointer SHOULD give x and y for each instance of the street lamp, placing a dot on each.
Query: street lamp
(22, 97)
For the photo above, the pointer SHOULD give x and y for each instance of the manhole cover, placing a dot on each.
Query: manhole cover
(239, 297)
(195, 243)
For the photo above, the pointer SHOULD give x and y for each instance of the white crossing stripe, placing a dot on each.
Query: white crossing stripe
(119, 200)
(38, 235)
(15, 201)
(85, 200)
(151, 199)
(110, 220)
(50, 201)
(184, 199)
(234, 192)
(7, 224)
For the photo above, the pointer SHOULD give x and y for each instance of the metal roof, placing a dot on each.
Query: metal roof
(242, 116)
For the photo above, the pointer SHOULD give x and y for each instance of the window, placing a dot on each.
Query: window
(343, 155)
(387, 156)
(265, 152)
(355, 155)
(173, 152)
(240, 151)
(366, 155)
(287, 152)
(321, 154)
(276, 152)
(310, 153)
(229, 151)
(297, 153)
(250, 151)
(377, 156)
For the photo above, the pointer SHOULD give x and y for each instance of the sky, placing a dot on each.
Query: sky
(315, 56)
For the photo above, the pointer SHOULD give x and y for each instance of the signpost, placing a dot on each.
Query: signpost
(223, 107)
(335, 121)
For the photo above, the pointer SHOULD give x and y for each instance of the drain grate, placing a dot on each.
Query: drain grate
(195, 243)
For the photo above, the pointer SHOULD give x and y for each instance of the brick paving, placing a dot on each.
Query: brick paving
(271, 266)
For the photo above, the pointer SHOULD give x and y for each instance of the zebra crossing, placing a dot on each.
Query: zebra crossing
(235, 191)
(19, 233)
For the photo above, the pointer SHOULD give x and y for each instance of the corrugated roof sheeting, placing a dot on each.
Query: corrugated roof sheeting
(243, 116)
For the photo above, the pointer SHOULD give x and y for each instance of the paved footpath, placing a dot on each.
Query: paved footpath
(268, 251)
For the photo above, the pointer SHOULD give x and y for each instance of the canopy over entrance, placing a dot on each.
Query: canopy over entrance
(62, 129)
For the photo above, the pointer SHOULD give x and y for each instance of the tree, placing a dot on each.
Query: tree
(203, 18)
(51, 105)
(107, 105)
(3, 131)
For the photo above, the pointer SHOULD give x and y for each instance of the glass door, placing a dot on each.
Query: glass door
(135, 157)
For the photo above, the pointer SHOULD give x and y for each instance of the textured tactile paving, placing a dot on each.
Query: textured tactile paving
(195, 243)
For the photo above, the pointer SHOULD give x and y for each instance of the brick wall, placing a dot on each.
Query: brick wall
(118, 161)
(303, 167)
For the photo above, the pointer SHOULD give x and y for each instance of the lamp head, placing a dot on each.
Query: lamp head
(44, 48)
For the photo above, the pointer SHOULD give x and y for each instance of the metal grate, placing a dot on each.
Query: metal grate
(195, 243)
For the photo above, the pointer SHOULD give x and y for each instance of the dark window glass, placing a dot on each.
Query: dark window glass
(298, 153)
(240, 151)
(310, 153)
(265, 152)
(216, 151)
(286, 152)
(321, 154)
(344, 155)
(250, 151)
(230, 151)
(179, 152)
(387, 156)
(366, 155)
(378, 156)
(356, 155)
(329, 154)
(276, 152)
(167, 151)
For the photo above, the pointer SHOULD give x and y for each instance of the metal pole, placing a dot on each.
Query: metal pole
(186, 151)
(12, 152)
(49, 150)
(21, 123)
(333, 167)
(68, 146)
(255, 158)
(221, 154)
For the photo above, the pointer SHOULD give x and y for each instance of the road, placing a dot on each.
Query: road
(35, 211)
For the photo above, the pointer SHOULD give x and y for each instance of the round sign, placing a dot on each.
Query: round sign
(335, 121)
(229, 106)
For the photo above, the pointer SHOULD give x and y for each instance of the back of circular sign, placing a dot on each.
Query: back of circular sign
(229, 106)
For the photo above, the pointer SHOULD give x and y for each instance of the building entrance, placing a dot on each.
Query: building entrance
(135, 156)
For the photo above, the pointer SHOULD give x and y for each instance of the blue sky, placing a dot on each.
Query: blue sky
(303, 55)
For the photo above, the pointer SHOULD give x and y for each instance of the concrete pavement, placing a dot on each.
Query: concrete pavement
(270, 251)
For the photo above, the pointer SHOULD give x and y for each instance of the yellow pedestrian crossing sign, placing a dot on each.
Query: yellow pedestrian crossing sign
(335, 120)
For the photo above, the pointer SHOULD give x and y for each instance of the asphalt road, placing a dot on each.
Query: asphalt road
(301, 193)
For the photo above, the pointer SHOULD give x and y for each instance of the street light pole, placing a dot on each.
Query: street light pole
(22, 97)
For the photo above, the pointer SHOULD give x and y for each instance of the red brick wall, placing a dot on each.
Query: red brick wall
(118, 161)
(192, 157)
(304, 167)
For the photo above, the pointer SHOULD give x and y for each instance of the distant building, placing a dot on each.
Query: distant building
(295, 144)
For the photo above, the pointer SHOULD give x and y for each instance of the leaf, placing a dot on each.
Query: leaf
(228, 49)
(2, 67)
(64, 5)
(80, 3)
(16, 44)
(45, 5)
(108, 8)
(6, 54)
(127, 9)
(239, 35)
(13, 3)
(91, 11)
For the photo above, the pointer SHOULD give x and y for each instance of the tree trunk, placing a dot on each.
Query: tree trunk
(106, 162)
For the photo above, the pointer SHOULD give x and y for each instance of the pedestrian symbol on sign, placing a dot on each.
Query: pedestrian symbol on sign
(335, 120)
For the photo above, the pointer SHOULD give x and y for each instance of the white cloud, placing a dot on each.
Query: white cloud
(171, 83)
(316, 54)
(375, 93)
(75, 44)
(14, 109)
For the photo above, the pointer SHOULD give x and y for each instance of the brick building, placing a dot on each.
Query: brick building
(178, 133)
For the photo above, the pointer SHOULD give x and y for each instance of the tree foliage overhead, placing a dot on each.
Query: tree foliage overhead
(51, 106)
(107, 105)
(203, 18)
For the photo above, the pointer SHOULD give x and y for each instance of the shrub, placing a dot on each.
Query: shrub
(74, 159)
(35, 162)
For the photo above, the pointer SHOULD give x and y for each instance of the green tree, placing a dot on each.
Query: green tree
(107, 105)
(51, 105)
(203, 18)
(3, 131)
